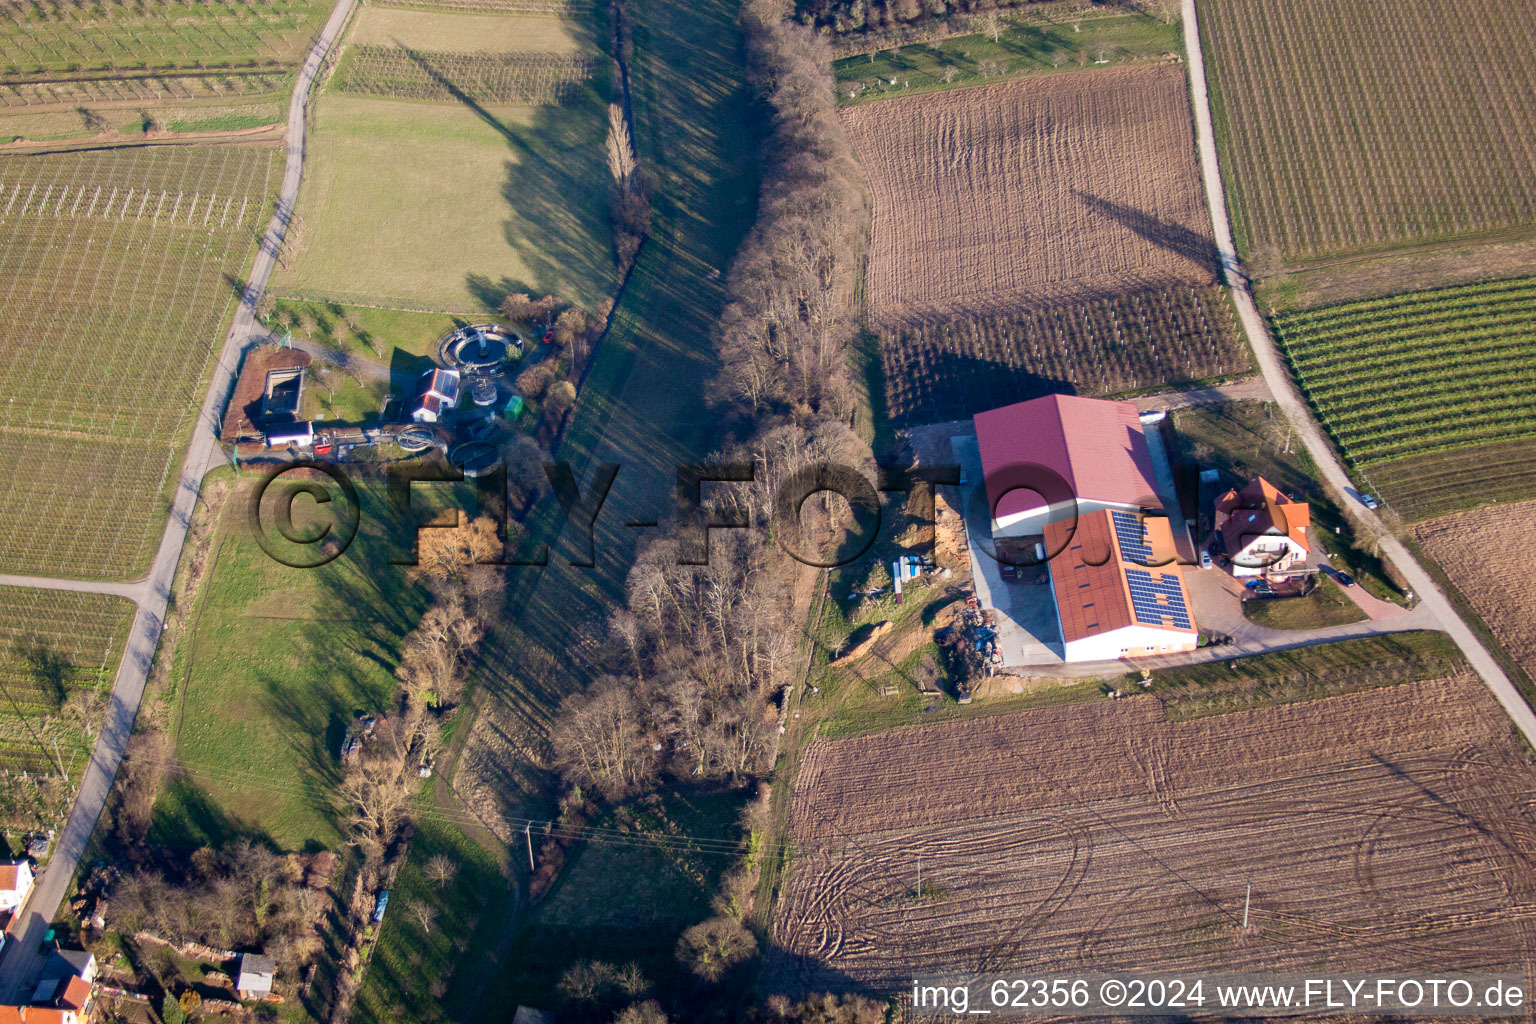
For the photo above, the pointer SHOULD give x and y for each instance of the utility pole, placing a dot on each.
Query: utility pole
(528, 835)
(1248, 898)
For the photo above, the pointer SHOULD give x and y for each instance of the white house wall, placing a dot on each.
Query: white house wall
(1130, 641)
(1263, 553)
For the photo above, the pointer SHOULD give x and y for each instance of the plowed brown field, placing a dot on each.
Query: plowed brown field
(1381, 831)
(1484, 553)
(1040, 190)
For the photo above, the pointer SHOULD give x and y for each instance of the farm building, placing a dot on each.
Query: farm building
(1119, 590)
(437, 393)
(15, 884)
(268, 398)
(1094, 450)
(1264, 531)
(255, 978)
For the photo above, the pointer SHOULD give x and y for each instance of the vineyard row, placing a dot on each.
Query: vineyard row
(1428, 134)
(129, 204)
(150, 89)
(549, 7)
(1426, 372)
(942, 368)
(533, 78)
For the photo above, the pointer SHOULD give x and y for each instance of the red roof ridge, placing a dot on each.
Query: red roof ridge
(1095, 445)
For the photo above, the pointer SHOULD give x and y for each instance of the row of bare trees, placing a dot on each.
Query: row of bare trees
(704, 651)
(790, 308)
(629, 191)
(378, 784)
(706, 648)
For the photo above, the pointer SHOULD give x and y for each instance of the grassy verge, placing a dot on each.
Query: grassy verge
(1304, 673)
(1021, 48)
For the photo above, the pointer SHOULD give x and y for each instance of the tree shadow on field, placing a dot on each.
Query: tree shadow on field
(50, 672)
(1176, 238)
(952, 385)
(559, 233)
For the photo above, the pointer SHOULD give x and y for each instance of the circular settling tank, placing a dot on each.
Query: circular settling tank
(480, 348)
(475, 458)
(482, 391)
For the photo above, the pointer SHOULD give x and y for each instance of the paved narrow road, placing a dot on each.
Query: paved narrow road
(20, 963)
(138, 592)
(1335, 479)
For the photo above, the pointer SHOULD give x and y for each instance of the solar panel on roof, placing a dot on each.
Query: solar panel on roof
(1146, 588)
(1131, 535)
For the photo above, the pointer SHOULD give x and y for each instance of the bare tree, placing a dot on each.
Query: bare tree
(621, 152)
(425, 914)
(599, 738)
(437, 653)
(376, 790)
(648, 1012)
(441, 869)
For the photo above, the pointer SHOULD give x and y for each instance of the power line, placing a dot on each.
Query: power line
(672, 841)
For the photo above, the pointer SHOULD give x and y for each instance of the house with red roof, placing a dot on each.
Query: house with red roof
(1264, 530)
(1054, 458)
(1119, 588)
(15, 884)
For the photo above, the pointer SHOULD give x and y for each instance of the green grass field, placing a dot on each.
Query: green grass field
(118, 266)
(1410, 377)
(53, 645)
(1026, 46)
(409, 205)
(117, 120)
(276, 663)
(450, 205)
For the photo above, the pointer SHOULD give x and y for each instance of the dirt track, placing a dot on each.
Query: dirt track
(1045, 188)
(1383, 830)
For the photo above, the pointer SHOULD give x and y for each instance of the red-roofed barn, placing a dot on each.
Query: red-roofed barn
(1094, 451)
(1118, 587)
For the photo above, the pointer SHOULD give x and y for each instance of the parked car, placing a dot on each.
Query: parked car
(1370, 502)
(1205, 559)
(1344, 579)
